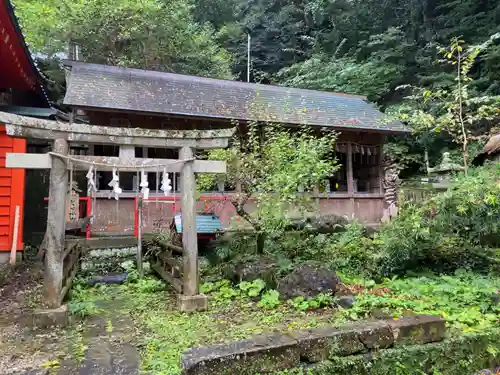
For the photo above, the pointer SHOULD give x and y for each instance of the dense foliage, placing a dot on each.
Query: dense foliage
(368, 47)
(455, 229)
(389, 42)
(241, 311)
(380, 49)
(452, 230)
(158, 35)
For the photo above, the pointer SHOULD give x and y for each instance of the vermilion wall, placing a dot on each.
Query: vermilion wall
(11, 192)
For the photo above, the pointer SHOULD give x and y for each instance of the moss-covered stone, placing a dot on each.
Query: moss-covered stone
(268, 353)
(319, 344)
(462, 355)
(261, 354)
(376, 335)
(419, 329)
(316, 345)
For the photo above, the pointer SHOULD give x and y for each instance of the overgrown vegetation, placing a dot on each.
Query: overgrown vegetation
(385, 51)
(440, 256)
(465, 300)
(456, 229)
(461, 355)
(428, 260)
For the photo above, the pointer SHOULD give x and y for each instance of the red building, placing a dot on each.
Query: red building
(20, 92)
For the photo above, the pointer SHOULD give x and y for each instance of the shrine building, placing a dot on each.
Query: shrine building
(124, 97)
(21, 92)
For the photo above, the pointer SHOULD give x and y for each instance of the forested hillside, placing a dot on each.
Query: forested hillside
(385, 49)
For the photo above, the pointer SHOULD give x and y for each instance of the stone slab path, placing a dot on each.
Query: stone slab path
(111, 345)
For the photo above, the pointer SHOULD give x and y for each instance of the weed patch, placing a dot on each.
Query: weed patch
(468, 302)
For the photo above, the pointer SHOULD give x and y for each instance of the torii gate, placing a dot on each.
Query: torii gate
(64, 133)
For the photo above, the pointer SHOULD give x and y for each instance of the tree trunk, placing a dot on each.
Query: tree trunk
(466, 156)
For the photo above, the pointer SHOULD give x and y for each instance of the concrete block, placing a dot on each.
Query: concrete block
(5, 257)
(374, 335)
(319, 344)
(420, 329)
(276, 352)
(198, 302)
(265, 353)
(47, 318)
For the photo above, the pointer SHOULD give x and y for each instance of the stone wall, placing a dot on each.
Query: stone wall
(353, 349)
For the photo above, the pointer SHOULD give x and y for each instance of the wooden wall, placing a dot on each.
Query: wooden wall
(118, 217)
(11, 192)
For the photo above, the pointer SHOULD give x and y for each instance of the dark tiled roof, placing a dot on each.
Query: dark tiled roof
(107, 87)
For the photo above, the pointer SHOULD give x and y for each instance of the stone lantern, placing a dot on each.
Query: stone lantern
(441, 174)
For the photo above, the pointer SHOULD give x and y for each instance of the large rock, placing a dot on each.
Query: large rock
(308, 280)
(264, 268)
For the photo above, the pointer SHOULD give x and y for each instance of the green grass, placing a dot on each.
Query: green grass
(464, 300)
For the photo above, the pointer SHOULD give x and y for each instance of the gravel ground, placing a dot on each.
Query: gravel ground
(21, 348)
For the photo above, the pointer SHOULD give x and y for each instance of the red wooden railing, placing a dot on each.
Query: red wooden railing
(85, 210)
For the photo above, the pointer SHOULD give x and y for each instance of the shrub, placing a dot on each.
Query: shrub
(451, 230)
(352, 252)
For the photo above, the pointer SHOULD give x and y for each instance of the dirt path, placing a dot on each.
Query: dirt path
(20, 293)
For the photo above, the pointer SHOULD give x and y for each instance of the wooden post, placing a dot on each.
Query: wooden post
(350, 174)
(317, 199)
(350, 177)
(140, 268)
(189, 235)
(381, 171)
(13, 250)
(56, 221)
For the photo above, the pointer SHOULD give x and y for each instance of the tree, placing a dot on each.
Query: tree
(149, 34)
(371, 70)
(457, 110)
(463, 110)
(269, 165)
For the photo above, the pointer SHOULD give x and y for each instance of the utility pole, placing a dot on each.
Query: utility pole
(248, 58)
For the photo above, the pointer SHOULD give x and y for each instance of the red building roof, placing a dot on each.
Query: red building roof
(17, 69)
